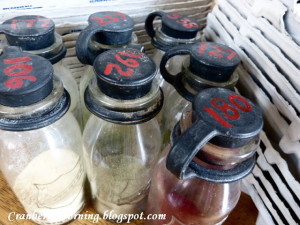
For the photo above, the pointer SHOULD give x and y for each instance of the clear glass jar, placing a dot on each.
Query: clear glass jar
(40, 39)
(122, 138)
(192, 201)
(106, 31)
(71, 86)
(198, 72)
(173, 109)
(40, 142)
(120, 159)
(207, 190)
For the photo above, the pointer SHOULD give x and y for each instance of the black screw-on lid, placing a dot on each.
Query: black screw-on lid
(210, 65)
(124, 73)
(213, 61)
(222, 117)
(173, 25)
(178, 26)
(30, 32)
(116, 27)
(232, 115)
(25, 78)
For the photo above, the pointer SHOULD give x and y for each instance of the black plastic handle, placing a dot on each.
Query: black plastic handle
(178, 50)
(83, 52)
(180, 158)
(221, 176)
(186, 147)
(149, 22)
(2, 28)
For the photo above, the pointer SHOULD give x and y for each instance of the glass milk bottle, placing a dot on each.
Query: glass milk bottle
(174, 30)
(208, 65)
(36, 34)
(40, 140)
(106, 30)
(197, 180)
(122, 138)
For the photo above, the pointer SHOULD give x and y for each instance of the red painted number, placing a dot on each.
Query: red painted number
(18, 72)
(111, 18)
(232, 54)
(123, 17)
(217, 117)
(127, 62)
(247, 108)
(224, 107)
(202, 48)
(173, 16)
(31, 22)
(187, 23)
(218, 52)
(17, 82)
(45, 22)
(110, 67)
(228, 111)
(14, 24)
(17, 60)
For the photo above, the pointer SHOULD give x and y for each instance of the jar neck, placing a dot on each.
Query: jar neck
(97, 46)
(39, 108)
(165, 42)
(54, 53)
(58, 64)
(123, 111)
(191, 84)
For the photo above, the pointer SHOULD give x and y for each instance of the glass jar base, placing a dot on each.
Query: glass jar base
(118, 213)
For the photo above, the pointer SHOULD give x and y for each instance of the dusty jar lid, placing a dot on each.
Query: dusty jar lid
(25, 78)
(116, 27)
(222, 117)
(125, 91)
(124, 73)
(35, 34)
(175, 30)
(30, 32)
(173, 25)
(213, 61)
(209, 60)
(26, 82)
(209, 65)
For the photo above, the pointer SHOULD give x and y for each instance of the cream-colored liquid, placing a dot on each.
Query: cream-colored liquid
(52, 186)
